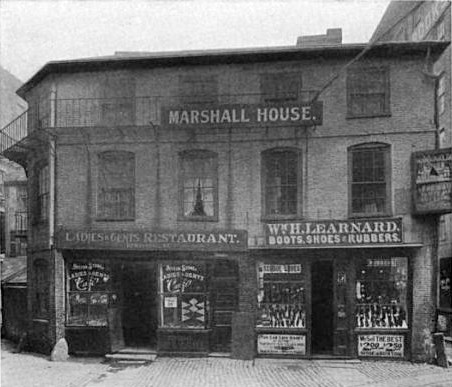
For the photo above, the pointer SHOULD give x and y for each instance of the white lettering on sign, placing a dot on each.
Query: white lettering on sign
(281, 344)
(381, 346)
(308, 114)
(334, 233)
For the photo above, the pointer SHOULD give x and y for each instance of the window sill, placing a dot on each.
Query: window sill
(353, 116)
(115, 220)
(278, 218)
(402, 330)
(370, 215)
(197, 219)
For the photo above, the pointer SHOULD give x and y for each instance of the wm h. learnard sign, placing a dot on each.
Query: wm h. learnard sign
(242, 115)
(334, 233)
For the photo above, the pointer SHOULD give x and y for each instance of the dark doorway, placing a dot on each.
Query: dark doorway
(322, 307)
(139, 313)
(224, 297)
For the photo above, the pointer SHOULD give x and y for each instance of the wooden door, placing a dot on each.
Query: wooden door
(115, 312)
(342, 311)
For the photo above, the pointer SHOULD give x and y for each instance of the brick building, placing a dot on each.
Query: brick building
(227, 201)
(430, 21)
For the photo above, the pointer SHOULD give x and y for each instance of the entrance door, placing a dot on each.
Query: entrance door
(224, 295)
(139, 313)
(322, 321)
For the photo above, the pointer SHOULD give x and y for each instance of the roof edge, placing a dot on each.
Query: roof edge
(203, 57)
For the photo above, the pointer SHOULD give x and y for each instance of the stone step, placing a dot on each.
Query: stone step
(136, 357)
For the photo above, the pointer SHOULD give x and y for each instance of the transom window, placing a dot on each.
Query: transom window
(116, 186)
(281, 182)
(198, 185)
(369, 182)
(368, 92)
(280, 87)
(43, 193)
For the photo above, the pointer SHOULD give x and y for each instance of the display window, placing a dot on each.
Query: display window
(445, 295)
(89, 293)
(381, 293)
(183, 296)
(281, 296)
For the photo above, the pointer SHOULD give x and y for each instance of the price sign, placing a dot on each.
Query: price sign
(381, 346)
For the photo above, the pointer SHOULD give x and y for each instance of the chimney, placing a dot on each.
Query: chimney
(333, 37)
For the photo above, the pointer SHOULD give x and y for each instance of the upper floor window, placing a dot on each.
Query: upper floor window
(116, 186)
(281, 182)
(198, 89)
(198, 185)
(43, 193)
(370, 189)
(280, 87)
(368, 92)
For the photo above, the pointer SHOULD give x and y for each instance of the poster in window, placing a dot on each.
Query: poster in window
(281, 344)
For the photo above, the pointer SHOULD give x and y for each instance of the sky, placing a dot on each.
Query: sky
(35, 32)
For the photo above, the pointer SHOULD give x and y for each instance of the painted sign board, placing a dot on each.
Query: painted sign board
(334, 233)
(432, 181)
(282, 114)
(381, 346)
(229, 240)
(276, 344)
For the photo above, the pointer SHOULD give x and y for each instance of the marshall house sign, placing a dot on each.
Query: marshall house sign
(335, 233)
(304, 114)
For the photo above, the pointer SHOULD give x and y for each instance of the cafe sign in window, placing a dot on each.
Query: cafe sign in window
(89, 293)
(183, 296)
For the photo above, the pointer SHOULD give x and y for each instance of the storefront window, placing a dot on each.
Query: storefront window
(183, 296)
(89, 293)
(381, 291)
(281, 297)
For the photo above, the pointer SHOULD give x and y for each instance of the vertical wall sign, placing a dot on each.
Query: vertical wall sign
(432, 181)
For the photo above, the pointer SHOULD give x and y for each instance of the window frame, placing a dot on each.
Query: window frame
(42, 194)
(108, 292)
(360, 73)
(101, 216)
(386, 148)
(264, 177)
(195, 89)
(193, 155)
(180, 294)
(41, 298)
(270, 93)
(371, 286)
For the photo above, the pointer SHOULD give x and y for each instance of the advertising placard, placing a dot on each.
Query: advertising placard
(276, 344)
(334, 233)
(432, 181)
(381, 346)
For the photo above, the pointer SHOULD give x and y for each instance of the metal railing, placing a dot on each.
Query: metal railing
(97, 112)
(15, 131)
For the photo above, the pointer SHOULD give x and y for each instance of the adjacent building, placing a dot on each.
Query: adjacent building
(431, 21)
(256, 202)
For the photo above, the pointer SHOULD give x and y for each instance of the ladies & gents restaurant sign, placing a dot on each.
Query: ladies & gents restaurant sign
(335, 233)
(227, 115)
(231, 240)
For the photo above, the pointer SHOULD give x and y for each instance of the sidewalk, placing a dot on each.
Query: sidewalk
(30, 370)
